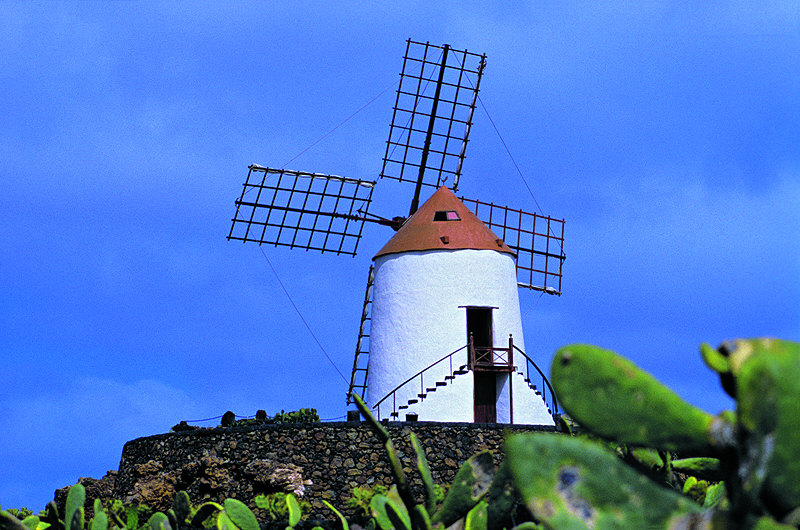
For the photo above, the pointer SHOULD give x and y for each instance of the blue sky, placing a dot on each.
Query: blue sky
(666, 135)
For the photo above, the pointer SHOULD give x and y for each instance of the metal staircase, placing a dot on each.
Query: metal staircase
(476, 360)
(449, 378)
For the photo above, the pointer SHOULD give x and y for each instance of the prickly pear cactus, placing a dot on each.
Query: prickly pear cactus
(754, 453)
(764, 377)
(574, 483)
(611, 396)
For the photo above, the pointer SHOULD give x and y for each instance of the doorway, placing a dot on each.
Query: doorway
(479, 329)
(479, 326)
(485, 400)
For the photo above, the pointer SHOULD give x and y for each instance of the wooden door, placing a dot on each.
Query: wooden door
(485, 397)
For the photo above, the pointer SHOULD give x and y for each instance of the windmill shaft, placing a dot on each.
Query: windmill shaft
(415, 201)
(542, 253)
(303, 211)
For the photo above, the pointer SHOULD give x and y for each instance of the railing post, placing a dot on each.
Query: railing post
(510, 379)
(471, 358)
(510, 352)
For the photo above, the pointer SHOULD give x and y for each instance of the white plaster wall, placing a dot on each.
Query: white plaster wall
(416, 320)
(529, 407)
(447, 403)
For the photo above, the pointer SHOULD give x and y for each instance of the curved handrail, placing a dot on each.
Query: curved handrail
(555, 411)
(544, 378)
(404, 383)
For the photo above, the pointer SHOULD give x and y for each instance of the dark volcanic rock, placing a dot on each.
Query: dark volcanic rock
(318, 461)
(95, 489)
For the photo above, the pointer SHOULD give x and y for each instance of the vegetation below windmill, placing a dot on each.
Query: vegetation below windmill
(305, 415)
(738, 469)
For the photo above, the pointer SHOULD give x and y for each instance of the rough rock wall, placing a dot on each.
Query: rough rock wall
(320, 460)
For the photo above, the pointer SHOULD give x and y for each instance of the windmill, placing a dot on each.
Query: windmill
(442, 296)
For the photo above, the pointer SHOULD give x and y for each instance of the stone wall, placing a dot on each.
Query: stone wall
(320, 460)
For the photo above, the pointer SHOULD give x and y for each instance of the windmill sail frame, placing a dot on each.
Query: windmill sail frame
(537, 239)
(304, 210)
(421, 135)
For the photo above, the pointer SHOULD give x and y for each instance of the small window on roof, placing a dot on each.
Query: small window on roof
(446, 215)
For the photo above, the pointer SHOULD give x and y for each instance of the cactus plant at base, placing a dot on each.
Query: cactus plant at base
(338, 514)
(573, 483)
(636, 408)
(76, 497)
(9, 522)
(424, 473)
(380, 511)
(100, 520)
(158, 521)
(768, 398)
(469, 486)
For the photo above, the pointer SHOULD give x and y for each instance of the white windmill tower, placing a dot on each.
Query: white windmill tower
(441, 332)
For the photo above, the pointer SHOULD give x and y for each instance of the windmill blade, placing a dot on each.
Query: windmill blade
(301, 210)
(432, 115)
(538, 241)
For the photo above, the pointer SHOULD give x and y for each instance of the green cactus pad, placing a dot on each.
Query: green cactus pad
(700, 467)
(224, 522)
(573, 483)
(715, 359)
(31, 522)
(342, 520)
(469, 486)
(293, 507)
(240, 514)
(715, 495)
(9, 522)
(100, 521)
(768, 390)
(76, 497)
(502, 497)
(182, 507)
(397, 518)
(78, 519)
(204, 511)
(380, 505)
(477, 518)
(424, 472)
(158, 521)
(612, 397)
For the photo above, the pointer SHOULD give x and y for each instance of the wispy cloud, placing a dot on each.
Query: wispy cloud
(79, 431)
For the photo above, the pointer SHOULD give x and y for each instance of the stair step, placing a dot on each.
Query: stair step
(412, 401)
(460, 372)
(449, 377)
(421, 396)
(441, 383)
(463, 368)
(394, 414)
(401, 407)
(429, 390)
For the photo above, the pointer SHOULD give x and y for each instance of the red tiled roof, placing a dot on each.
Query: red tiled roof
(422, 232)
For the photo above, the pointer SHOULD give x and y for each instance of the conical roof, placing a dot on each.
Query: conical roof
(443, 223)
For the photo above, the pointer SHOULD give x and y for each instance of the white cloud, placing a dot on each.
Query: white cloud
(53, 438)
